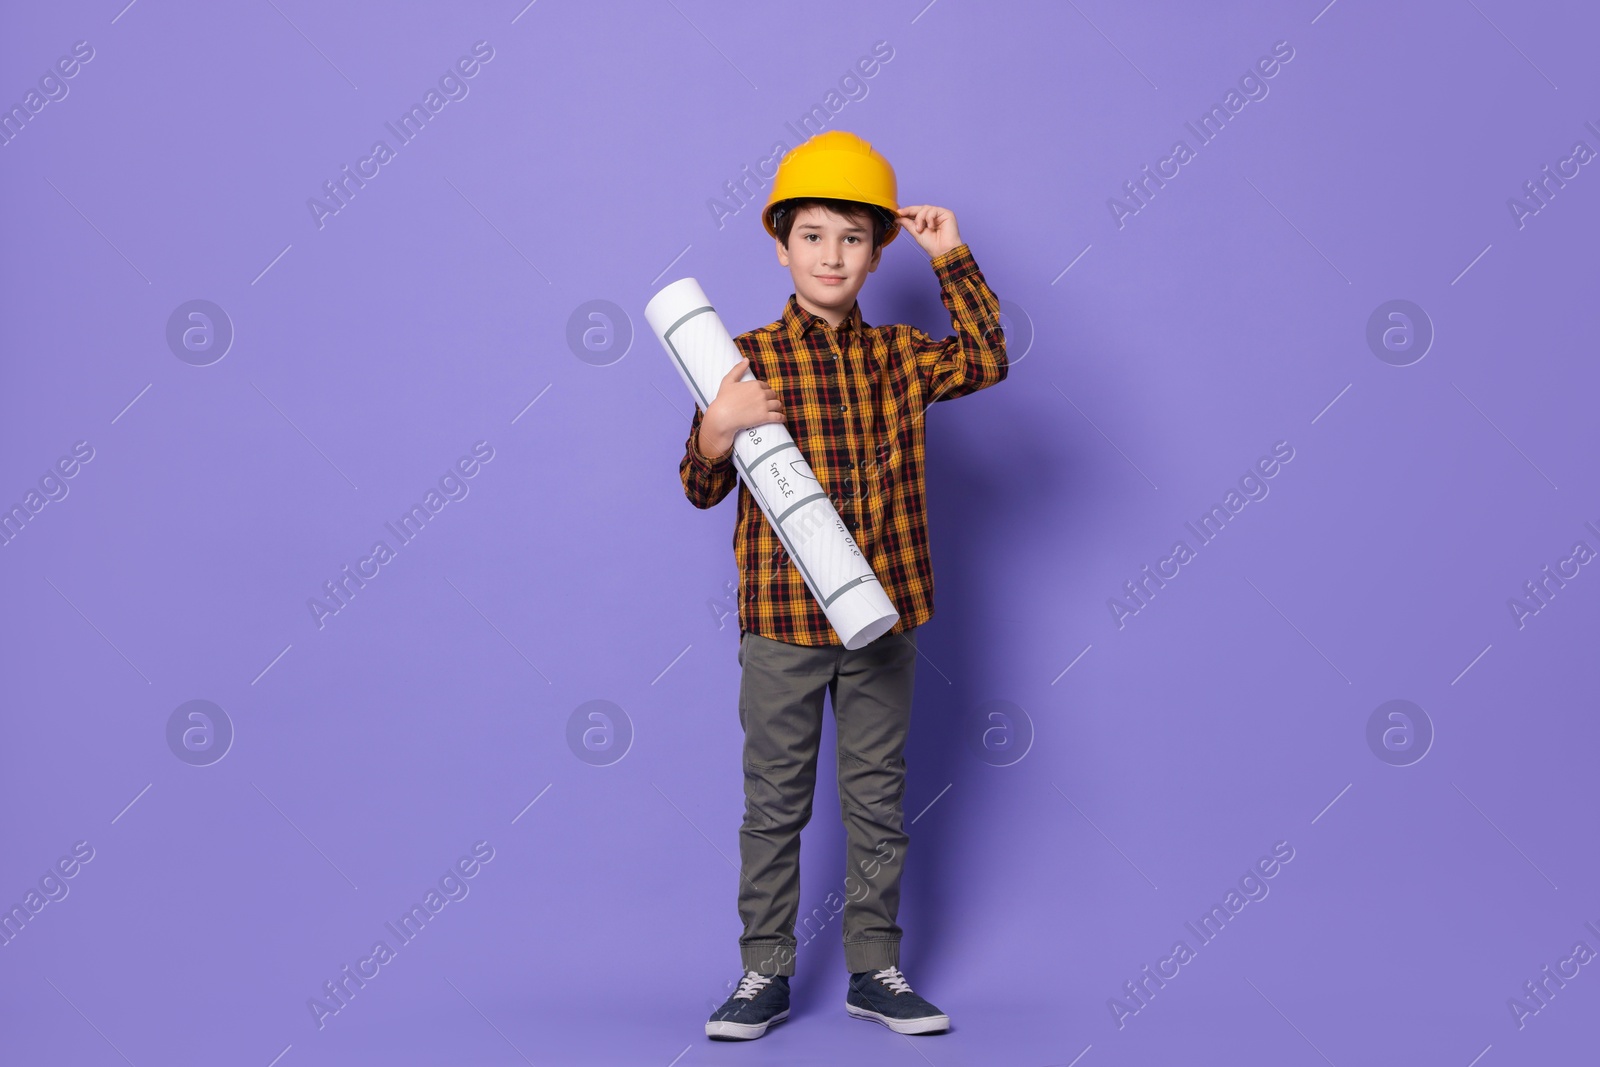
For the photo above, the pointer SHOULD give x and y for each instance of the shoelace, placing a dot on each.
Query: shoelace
(892, 978)
(751, 984)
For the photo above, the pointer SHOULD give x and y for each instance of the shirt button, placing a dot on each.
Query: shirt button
(844, 407)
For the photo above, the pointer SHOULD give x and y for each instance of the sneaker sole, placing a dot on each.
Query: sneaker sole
(927, 1025)
(742, 1031)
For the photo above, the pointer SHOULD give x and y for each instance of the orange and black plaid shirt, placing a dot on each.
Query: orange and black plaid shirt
(853, 399)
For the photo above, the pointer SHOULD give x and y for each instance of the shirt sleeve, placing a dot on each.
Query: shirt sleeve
(974, 357)
(705, 480)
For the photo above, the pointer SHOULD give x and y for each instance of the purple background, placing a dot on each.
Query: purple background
(432, 312)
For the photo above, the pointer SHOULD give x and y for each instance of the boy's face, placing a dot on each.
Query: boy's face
(829, 257)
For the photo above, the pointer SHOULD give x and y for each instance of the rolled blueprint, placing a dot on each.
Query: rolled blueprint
(777, 475)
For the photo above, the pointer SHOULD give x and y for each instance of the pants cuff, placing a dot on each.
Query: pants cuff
(871, 955)
(768, 957)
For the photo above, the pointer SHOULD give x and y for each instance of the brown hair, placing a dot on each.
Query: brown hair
(784, 212)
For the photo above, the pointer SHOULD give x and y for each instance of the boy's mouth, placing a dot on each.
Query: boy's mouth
(830, 279)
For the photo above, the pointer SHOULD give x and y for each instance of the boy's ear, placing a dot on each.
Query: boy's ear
(783, 253)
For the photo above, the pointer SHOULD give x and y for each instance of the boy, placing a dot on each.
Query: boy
(857, 395)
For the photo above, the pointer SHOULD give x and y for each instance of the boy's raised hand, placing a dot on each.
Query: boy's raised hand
(739, 404)
(933, 227)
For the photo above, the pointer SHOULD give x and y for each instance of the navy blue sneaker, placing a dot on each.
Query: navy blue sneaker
(885, 996)
(760, 1001)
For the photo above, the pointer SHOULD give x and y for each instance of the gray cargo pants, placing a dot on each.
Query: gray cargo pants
(780, 709)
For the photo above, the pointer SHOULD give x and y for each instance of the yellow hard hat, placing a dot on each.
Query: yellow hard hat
(839, 166)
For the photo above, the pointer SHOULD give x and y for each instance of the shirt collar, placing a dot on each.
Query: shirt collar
(799, 321)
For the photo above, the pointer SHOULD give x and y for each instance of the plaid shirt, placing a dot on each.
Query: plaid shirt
(853, 399)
